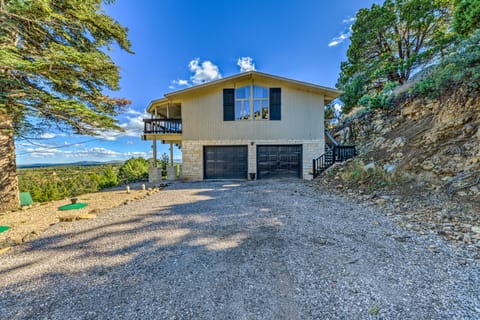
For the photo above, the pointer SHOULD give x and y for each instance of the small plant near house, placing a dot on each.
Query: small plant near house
(162, 163)
(375, 310)
(368, 175)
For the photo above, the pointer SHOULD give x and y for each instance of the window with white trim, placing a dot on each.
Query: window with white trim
(252, 101)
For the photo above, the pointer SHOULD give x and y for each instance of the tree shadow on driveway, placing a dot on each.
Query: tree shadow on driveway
(160, 261)
(243, 250)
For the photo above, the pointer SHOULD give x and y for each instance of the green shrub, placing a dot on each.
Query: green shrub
(365, 101)
(460, 67)
(108, 178)
(382, 100)
(373, 177)
(467, 16)
(134, 169)
(55, 183)
(352, 92)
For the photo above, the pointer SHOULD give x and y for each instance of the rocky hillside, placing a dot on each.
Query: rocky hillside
(419, 160)
(433, 145)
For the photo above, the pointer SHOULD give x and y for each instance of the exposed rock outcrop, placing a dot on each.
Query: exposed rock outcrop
(434, 144)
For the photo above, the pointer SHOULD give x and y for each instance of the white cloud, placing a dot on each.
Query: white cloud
(337, 107)
(203, 72)
(27, 144)
(133, 124)
(109, 135)
(181, 82)
(47, 135)
(337, 40)
(96, 152)
(347, 32)
(136, 154)
(245, 64)
(133, 128)
(349, 20)
(41, 152)
(49, 153)
(133, 112)
(130, 142)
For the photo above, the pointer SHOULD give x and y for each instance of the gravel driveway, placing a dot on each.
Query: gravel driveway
(238, 250)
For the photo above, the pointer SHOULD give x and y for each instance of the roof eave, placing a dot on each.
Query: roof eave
(251, 74)
(330, 94)
(156, 102)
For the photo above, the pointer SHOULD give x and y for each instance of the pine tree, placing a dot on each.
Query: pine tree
(54, 70)
(391, 41)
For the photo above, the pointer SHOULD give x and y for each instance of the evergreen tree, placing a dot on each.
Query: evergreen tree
(467, 16)
(53, 73)
(390, 41)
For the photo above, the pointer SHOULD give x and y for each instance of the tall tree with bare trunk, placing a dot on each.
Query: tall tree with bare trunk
(54, 71)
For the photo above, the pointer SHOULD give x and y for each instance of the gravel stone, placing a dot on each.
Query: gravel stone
(268, 249)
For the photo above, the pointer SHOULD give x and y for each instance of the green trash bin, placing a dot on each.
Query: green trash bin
(73, 206)
(25, 199)
(4, 228)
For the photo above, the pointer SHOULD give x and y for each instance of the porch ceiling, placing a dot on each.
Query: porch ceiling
(166, 110)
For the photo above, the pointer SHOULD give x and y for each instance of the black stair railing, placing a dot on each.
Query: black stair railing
(332, 154)
(343, 153)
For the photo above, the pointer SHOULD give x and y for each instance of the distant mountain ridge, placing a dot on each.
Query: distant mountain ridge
(78, 163)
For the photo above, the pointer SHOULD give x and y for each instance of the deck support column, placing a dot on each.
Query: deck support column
(154, 146)
(171, 169)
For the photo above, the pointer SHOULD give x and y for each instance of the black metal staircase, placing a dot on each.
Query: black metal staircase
(334, 152)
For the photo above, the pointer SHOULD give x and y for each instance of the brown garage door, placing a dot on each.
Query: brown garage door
(278, 161)
(225, 162)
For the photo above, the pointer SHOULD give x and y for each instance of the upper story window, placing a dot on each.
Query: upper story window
(260, 103)
(251, 102)
(242, 103)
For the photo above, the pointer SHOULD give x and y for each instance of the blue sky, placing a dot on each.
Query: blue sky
(179, 43)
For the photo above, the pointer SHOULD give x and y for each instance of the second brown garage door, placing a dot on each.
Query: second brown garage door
(279, 161)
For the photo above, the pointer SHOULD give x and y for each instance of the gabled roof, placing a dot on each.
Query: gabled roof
(329, 93)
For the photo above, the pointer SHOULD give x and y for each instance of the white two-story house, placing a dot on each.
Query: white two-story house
(248, 126)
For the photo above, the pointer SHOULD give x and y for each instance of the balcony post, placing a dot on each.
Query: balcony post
(154, 142)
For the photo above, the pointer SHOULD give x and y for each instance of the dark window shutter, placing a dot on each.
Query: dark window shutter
(275, 104)
(228, 104)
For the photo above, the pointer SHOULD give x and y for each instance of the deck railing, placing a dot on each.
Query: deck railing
(334, 154)
(162, 126)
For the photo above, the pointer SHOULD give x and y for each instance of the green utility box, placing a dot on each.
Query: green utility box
(25, 199)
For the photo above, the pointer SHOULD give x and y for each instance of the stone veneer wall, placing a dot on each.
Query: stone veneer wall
(154, 174)
(192, 154)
